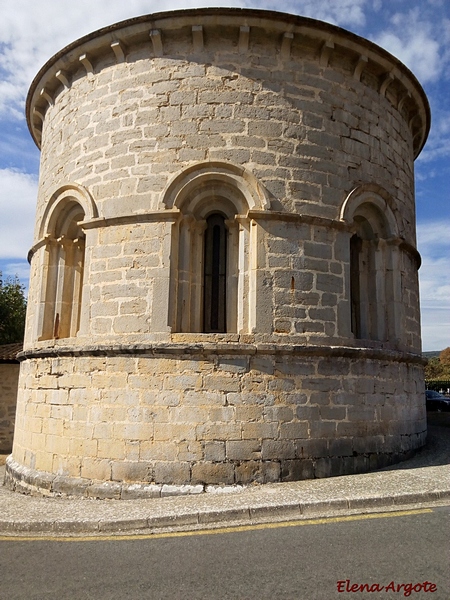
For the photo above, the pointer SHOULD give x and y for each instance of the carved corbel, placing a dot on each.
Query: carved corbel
(244, 37)
(286, 44)
(38, 114)
(386, 83)
(197, 37)
(360, 66)
(44, 94)
(119, 50)
(62, 77)
(411, 121)
(325, 53)
(418, 137)
(405, 98)
(155, 36)
(84, 60)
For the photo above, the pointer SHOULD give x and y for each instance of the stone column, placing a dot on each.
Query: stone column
(381, 316)
(344, 309)
(260, 294)
(243, 284)
(78, 251)
(196, 276)
(183, 299)
(233, 275)
(162, 307)
(49, 280)
(394, 300)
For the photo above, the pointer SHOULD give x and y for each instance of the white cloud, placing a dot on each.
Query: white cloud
(416, 41)
(17, 150)
(340, 12)
(18, 193)
(435, 327)
(434, 276)
(11, 269)
(30, 33)
(438, 144)
(16, 269)
(432, 235)
(416, 50)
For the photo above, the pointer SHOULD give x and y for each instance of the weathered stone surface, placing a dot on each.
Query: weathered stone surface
(9, 376)
(316, 370)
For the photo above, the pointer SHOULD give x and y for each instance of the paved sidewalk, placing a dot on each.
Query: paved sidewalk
(424, 479)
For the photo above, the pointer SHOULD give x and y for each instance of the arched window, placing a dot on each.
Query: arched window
(376, 285)
(215, 275)
(214, 265)
(363, 276)
(371, 283)
(65, 250)
(208, 248)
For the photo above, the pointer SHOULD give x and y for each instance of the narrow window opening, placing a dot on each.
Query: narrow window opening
(214, 275)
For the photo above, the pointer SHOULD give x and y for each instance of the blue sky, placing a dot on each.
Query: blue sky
(416, 31)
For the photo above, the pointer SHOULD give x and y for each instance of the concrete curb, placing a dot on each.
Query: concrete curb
(177, 518)
(230, 517)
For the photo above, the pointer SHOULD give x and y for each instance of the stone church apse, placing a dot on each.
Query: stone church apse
(224, 270)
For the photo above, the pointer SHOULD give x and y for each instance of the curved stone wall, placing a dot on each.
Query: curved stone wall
(299, 138)
(197, 416)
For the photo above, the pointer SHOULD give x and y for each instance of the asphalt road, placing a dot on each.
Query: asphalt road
(301, 562)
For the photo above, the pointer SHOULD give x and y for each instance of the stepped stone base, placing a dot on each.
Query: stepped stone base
(108, 424)
(29, 481)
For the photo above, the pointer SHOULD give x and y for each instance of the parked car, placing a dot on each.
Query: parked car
(436, 401)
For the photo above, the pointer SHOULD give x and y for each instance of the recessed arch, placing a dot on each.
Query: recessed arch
(374, 203)
(201, 192)
(208, 178)
(63, 261)
(61, 200)
(374, 292)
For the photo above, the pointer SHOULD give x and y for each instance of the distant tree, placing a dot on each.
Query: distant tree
(13, 307)
(444, 357)
(433, 370)
(439, 368)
